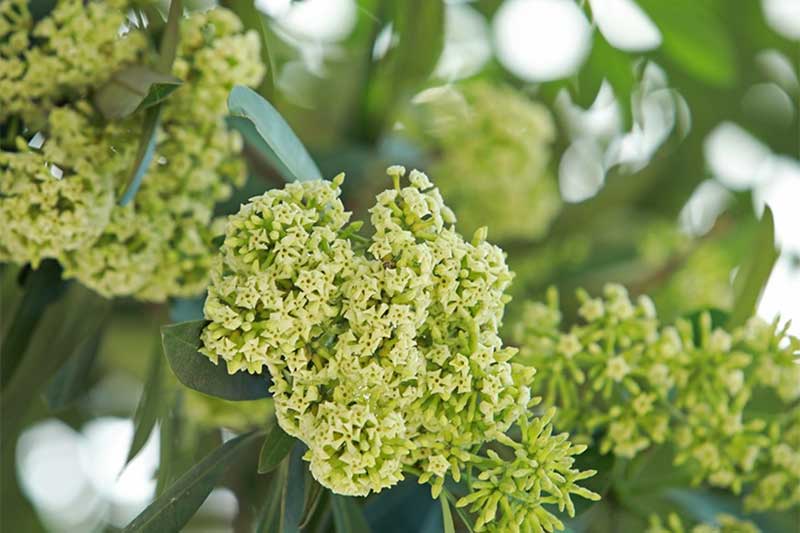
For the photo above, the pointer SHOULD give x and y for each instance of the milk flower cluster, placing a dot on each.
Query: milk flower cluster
(384, 351)
(725, 400)
(724, 523)
(492, 147)
(60, 180)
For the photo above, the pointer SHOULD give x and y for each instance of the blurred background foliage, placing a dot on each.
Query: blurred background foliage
(633, 141)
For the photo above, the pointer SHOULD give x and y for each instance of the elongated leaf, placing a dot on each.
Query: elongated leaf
(147, 411)
(147, 139)
(66, 327)
(294, 496)
(419, 27)
(271, 515)
(277, 445)
(387, 512)
(134, 87)
(72, 380)
(275, 132)
(347, 515)
(181, 343)
(754, 272)
(173, 509)
(447, 517)
(316, 494)
(695, 39)
(41, 288)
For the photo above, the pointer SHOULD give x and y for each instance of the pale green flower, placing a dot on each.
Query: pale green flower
(723, 524)
(384, 352)
(492, 147)
(74, 49)
(635, 382)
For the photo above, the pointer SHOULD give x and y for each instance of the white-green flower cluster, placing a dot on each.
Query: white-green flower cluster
(77, 47)
(492, 145)
(384, 352)
(159, 245)
(724, 523)
(726, 401)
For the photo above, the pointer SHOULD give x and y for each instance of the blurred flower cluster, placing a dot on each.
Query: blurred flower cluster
(724, 524)
(492, 146)
(384, 352)
(725, 400)
(65, 164)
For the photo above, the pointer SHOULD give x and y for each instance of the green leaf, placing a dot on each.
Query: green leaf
(72, 380)
(147, 411)
(754, 273)
(41, 287)
(173, 509)
(147, 139)
(132, 88)
(316, 494)
(447, 517)
(277, 445)
(695, 39)
(347, 515)
(294, 496)
(272, 513)
(181, 343)
(283, 144)
(65, 328)
(419, 27)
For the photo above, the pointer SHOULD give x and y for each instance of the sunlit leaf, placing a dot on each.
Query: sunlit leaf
(283, 144)
(277, 445)
(181, 343)
(754, 273)
(173, 509)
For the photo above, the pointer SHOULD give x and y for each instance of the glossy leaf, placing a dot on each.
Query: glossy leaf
(347, 515)
(147, 411)
(754, 273)
(73, 379)
(387, 512)
(132, 88)
(277, 445)
(173, 509)
(181, 343)
(283, 144)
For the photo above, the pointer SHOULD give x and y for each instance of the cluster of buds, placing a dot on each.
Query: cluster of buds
(725, 400)
(60, 176)
(384, 351)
